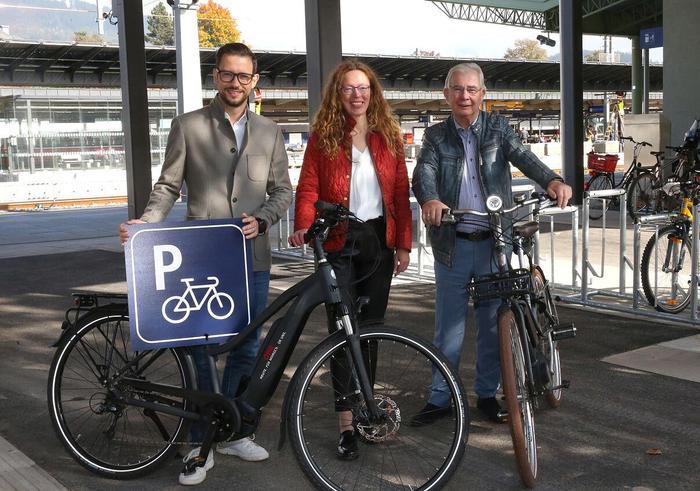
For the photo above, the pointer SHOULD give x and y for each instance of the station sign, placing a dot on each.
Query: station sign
(651, 38)
(189, 282)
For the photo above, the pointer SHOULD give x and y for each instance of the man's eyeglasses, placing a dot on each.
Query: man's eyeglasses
(243, 78)
(349, 89)
(459, 90)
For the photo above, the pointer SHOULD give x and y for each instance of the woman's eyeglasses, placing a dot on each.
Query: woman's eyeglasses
(243, 78)
(349, 89)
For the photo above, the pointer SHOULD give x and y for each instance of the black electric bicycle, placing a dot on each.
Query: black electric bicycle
(122, 413)
(528, 327)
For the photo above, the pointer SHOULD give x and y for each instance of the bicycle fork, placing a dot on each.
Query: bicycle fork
(355, 360)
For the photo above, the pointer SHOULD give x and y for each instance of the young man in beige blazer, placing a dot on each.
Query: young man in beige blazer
(235, 165)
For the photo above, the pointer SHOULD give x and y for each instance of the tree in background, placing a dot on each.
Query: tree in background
(526, 49)
(84, 37)
(160, 26)
(216, 26)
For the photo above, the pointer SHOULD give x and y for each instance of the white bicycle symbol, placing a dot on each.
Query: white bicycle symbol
(176, 309)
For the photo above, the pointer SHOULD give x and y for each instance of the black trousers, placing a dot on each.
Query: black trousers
(365, 245)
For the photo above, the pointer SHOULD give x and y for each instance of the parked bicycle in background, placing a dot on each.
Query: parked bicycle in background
(666, 261)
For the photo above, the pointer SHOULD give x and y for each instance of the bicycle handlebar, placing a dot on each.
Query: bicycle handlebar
(330, 215)
(542, 200)
(642, 143)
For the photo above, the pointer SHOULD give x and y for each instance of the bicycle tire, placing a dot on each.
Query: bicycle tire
(659, 289)
(401, 456)
(109, 437)
(547, 318)
(642, 195)
(520, 410)
(598, 206)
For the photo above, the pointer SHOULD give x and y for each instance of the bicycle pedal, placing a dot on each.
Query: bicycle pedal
(564, 331)
(564, 385)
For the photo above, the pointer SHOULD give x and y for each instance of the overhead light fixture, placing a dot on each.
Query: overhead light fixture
(546, 40)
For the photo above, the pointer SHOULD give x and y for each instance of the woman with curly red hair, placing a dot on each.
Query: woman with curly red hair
(355, 158)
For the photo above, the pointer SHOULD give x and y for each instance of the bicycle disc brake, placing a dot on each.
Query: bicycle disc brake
(385, 429)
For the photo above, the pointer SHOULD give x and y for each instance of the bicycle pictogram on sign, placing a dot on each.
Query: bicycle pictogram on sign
(220, 305)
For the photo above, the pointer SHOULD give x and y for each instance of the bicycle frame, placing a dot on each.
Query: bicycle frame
(521, 304)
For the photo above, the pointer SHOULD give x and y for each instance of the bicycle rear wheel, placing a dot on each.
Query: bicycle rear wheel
(521, 417)
(97, 428)
(547, 318)
(598, 206)
(394, 455)
(642, 195)
(666, 270)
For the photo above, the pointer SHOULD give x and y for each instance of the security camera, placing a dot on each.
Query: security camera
(546, 40)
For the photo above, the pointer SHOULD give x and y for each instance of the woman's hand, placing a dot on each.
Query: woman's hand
(297, 238)
(401, 260)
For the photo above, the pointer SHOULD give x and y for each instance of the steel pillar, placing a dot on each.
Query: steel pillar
(570, 19)
(637, 77)
(189, 76)
(137, 145)
(323, 47)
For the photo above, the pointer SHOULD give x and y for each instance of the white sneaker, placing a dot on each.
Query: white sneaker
(245, 449)
(200, 473)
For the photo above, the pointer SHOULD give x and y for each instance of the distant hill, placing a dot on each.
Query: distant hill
(52, 20)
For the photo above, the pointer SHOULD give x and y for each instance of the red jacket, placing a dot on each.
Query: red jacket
(328, 179)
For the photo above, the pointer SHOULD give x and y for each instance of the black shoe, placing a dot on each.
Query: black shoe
(430, 414)
(347, 446)
(490, 408)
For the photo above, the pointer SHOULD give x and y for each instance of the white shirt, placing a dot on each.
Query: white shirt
(365, 193)
(239, 129)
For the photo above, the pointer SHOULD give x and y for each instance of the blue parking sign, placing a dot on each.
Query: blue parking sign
(189, 282)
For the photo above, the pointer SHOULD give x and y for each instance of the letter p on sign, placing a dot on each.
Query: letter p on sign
(161, 267)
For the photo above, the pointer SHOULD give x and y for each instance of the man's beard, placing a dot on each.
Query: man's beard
(233, 103)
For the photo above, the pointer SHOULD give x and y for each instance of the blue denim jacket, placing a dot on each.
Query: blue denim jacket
(440, 167)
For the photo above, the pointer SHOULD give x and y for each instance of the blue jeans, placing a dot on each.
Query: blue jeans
(471, 258)
(239, 361)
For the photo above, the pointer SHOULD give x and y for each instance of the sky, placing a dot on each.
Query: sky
(389, 27)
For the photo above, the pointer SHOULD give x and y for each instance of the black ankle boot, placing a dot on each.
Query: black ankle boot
(347, 446)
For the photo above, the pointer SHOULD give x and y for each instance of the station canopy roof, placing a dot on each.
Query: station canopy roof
(614, 17)
(84, 64)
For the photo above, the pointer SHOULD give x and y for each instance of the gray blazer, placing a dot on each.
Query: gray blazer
(222, 180)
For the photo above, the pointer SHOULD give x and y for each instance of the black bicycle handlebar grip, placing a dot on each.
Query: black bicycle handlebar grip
(307, 237)
(322, 206)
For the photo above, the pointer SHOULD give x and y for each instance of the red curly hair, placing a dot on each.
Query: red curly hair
(330, 121)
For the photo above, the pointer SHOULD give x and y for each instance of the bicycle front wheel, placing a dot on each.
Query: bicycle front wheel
(392, 454)
(521, 418)
(598, 205)
(642, 195)
(96, 426)
(666, 270)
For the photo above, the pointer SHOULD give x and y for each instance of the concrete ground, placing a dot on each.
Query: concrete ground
(618, 427)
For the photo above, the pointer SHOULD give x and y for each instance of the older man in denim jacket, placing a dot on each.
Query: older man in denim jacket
(463, 160)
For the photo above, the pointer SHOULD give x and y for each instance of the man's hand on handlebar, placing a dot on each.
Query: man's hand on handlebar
(559, 191)
(432, 212)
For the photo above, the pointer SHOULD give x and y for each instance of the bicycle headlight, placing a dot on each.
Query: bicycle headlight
(494, 203)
